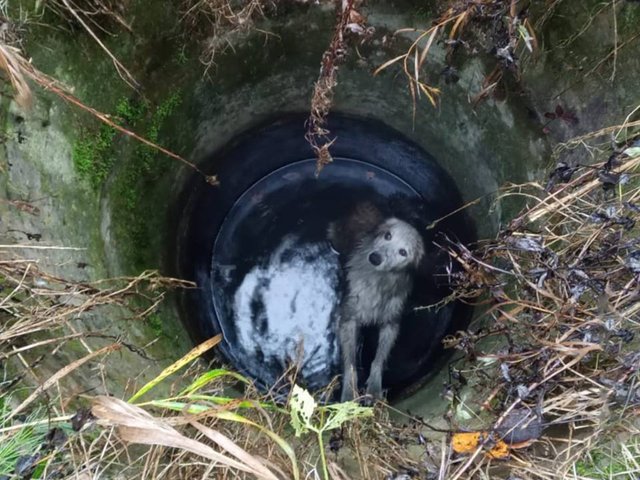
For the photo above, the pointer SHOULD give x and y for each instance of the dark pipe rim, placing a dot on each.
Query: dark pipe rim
(216, 162)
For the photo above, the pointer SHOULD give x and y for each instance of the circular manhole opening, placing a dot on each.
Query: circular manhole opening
(268, 277)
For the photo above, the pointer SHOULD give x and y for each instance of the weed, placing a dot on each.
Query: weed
(131, 112)
(18, 447)
(200, 401)
(155, 322)
(347, 20)
(618, 461)
(307, 415)
(93, 155)
(181, 58)
(591, 215)
(144, 169)
(222, 17)
(164, 110)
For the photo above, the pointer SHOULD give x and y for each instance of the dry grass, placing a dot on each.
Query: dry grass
(347, 19)
(498, 26)
(557, 344)
(221, 21)
(10, 64)
(43, 316)
(37, 302)
(255, 422)
(557, 347)
(560, 285)
(96, 15)
(501, 26)
(87, 14)
(11, 60)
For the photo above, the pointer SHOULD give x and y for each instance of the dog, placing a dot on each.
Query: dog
(380, 256)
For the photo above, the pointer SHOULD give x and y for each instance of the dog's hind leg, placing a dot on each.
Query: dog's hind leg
(348, 345)
(386, 339)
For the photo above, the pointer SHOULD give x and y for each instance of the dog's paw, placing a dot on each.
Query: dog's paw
(367, 400)
(374, 387)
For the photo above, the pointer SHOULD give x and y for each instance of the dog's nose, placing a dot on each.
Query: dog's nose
(375, 259)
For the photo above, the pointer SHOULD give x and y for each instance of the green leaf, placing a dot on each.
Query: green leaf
(632, 152)
(209, 377)
(302, 406)
(192, 408)
(526, 36)
(343, 412)
(282, 443)
(177, 365)
(238, 403)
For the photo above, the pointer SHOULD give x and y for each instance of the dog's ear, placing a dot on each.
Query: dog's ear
(345, 233)
(410, 209)
(365, 218)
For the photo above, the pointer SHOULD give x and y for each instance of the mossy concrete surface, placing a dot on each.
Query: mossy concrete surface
(110, 195)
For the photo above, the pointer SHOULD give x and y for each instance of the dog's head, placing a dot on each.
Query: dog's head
(395, 245)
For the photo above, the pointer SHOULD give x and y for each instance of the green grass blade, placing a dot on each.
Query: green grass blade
(210, 376)
(179, 403)
(281, 442)
(171, 369)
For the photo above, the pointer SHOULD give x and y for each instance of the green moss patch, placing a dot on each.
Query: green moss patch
(131, 175)
(93, 152)
(136, 194)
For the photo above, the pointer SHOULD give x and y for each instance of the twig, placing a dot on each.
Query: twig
(41, 247)
(615, 39)
(122, 71)
(317, 134)
(50, 84)
(63, 372)
(570, 197)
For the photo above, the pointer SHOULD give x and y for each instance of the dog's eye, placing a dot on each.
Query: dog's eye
(402, 252)
(387, 236)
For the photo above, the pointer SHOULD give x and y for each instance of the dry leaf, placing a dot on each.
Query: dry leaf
(13, 65)
(135, 425)
(230, 446)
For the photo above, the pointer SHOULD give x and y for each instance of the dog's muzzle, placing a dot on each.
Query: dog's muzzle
(375, 259)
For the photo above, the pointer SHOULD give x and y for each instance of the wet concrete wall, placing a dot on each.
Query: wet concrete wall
(104, 192)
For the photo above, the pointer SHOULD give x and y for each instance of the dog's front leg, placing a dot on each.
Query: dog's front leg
(348, 344)
(386, 340)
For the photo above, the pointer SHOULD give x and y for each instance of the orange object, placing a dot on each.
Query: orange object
(468, 442)
(500, 451)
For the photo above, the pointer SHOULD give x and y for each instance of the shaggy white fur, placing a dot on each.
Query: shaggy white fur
(379, 280)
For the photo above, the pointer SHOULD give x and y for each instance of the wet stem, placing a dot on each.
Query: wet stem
(323, 457)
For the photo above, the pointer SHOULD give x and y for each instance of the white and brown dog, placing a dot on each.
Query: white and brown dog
(380, 256)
